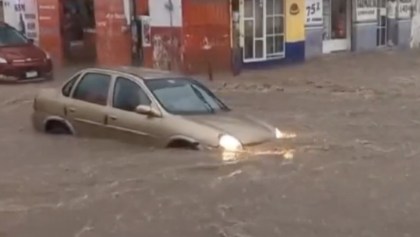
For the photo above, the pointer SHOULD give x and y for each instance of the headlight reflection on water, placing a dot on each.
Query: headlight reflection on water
(284, 135)
(229, 156)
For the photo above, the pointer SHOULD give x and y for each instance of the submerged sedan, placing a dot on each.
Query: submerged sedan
(148, 107)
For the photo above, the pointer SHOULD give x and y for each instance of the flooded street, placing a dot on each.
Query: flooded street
(352, 170)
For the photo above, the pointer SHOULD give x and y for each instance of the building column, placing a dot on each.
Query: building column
(113, 37)
(295, 30)
(50, 38)
(405, 8)
(364, 26)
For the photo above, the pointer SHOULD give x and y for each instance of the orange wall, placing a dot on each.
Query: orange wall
(49, 26)
(113, 44)
(203, 19)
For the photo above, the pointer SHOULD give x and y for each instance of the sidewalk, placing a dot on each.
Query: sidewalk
(378, 70)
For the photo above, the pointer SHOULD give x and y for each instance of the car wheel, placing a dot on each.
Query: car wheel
(57, 128)
(184, 144)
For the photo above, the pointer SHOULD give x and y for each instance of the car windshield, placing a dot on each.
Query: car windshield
(10, 36)
(185, 96)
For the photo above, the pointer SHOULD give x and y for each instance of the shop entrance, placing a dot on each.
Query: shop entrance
(263, 23)
(337, 18)
(381, 32)
(78, 31)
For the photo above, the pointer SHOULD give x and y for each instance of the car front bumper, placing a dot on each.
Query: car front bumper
(26, 72)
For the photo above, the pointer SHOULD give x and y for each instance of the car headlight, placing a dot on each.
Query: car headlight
(278, 133)
(230, 143)
(3, 61)
(47, 56)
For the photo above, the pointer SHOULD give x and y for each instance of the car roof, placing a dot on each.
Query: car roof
(143, 73)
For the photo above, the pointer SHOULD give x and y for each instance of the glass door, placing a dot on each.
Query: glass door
(275, 41)
(254, 30)
(336, 35)
(263, 30)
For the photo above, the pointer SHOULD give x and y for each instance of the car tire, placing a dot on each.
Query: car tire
(183, 144)
(57, 128)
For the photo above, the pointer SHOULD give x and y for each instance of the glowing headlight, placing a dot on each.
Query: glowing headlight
(230, 143)
(278, 133)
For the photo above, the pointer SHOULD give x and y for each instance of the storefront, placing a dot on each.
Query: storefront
(272, 30)
(328, 26)
(357, 25)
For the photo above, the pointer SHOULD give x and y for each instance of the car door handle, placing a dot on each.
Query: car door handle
(72, 110)
(112, 117)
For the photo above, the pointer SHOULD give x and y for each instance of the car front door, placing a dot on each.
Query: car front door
(87, 109)
(124, 121)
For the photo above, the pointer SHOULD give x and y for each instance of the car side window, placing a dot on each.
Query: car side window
(128, 95)
(93, 88)
(68, 87)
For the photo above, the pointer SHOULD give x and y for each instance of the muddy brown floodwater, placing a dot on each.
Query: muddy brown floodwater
(354, 171)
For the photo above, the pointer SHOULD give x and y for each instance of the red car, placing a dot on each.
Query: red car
(20, 59)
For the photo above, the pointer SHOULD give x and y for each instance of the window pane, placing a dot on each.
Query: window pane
(259, 17)
(270, 25)
(69, 85)
(278, 6)
(249, 8)
(270, 45)
(249, 47)
(259, 49)
(270, 7)
(249, 39)
(128, 95)
(93, 88)
(278, 25)
(279, 42)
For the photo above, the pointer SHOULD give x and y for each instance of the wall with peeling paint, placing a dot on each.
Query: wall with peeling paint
(166, 25)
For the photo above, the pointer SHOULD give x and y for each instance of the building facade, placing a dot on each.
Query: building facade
(185, 35)
(201, 35)
(357, 25)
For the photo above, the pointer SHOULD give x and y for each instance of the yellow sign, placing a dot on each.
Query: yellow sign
(295, 20)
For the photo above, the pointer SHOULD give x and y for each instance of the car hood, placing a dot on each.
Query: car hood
(21, 52)
(245, 128)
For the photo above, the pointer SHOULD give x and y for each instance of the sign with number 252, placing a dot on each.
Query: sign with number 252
(313, 12)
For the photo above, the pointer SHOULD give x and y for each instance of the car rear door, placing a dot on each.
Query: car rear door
(87, 109)
(124, 122)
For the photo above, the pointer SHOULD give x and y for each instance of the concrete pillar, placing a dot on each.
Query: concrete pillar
(49, 29)
(113, 38)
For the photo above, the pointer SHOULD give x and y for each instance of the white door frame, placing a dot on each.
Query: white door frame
(264, 31)
(334, 45)
(382, 12)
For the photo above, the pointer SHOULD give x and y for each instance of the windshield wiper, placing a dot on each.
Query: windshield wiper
(201, 97)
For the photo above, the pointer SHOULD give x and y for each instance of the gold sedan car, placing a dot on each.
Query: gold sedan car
(148, 107)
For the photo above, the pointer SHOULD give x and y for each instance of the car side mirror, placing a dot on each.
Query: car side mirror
(31, 41)
(147, 110)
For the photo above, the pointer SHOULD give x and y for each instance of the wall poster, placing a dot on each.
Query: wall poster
(22, 15)
(404, 9)
(366, 10)
(313, 12)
